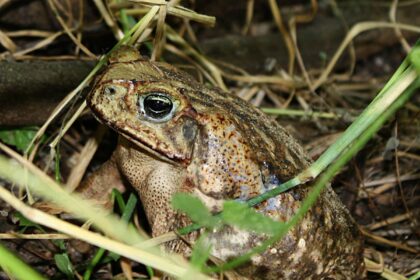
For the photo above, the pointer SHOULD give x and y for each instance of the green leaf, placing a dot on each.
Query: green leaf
(129, 208)
(25, 223)
(20, 138)
(415, 57)
(195, 209)
(116, 196)
(57, 172)
(323, 56)
(415, 276)
(60, 244)
(201, 252)
(93, 262)
(199, 257)
(64, 265)
(240, 215)
(14, 267)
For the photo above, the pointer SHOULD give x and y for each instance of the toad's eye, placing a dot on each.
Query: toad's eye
(157, 106)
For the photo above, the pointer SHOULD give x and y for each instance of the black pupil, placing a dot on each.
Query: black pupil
(157, 106)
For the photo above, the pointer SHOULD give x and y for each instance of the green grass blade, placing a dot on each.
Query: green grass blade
(195, 209)
(10, 263)
(378, 106)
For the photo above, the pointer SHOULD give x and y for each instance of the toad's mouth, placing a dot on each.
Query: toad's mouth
(173, 159)
(169, 157)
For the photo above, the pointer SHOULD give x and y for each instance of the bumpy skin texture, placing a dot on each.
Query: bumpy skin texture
(218, 147)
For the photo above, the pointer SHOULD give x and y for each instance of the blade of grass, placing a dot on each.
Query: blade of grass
(300, 113)
(377, 107)
(415, 276)
(40, 44)
(108, 19)
(142, 25)
(46, 187)
(164, 263)
(93, 263)
(181, 12)
(127, 211)
(210, 66)
(354, 31)
(67, 30)
(7, 43)
(10, 263)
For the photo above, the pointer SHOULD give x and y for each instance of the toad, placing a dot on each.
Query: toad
(177, 135)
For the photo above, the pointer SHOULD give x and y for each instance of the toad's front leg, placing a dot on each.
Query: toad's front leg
(99, 185)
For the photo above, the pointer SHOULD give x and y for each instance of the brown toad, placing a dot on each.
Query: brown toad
(177, 135)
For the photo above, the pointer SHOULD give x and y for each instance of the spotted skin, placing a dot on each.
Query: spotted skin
(218, 147)
(222, 167)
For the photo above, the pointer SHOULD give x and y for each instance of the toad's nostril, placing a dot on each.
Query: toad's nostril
(110, 90)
